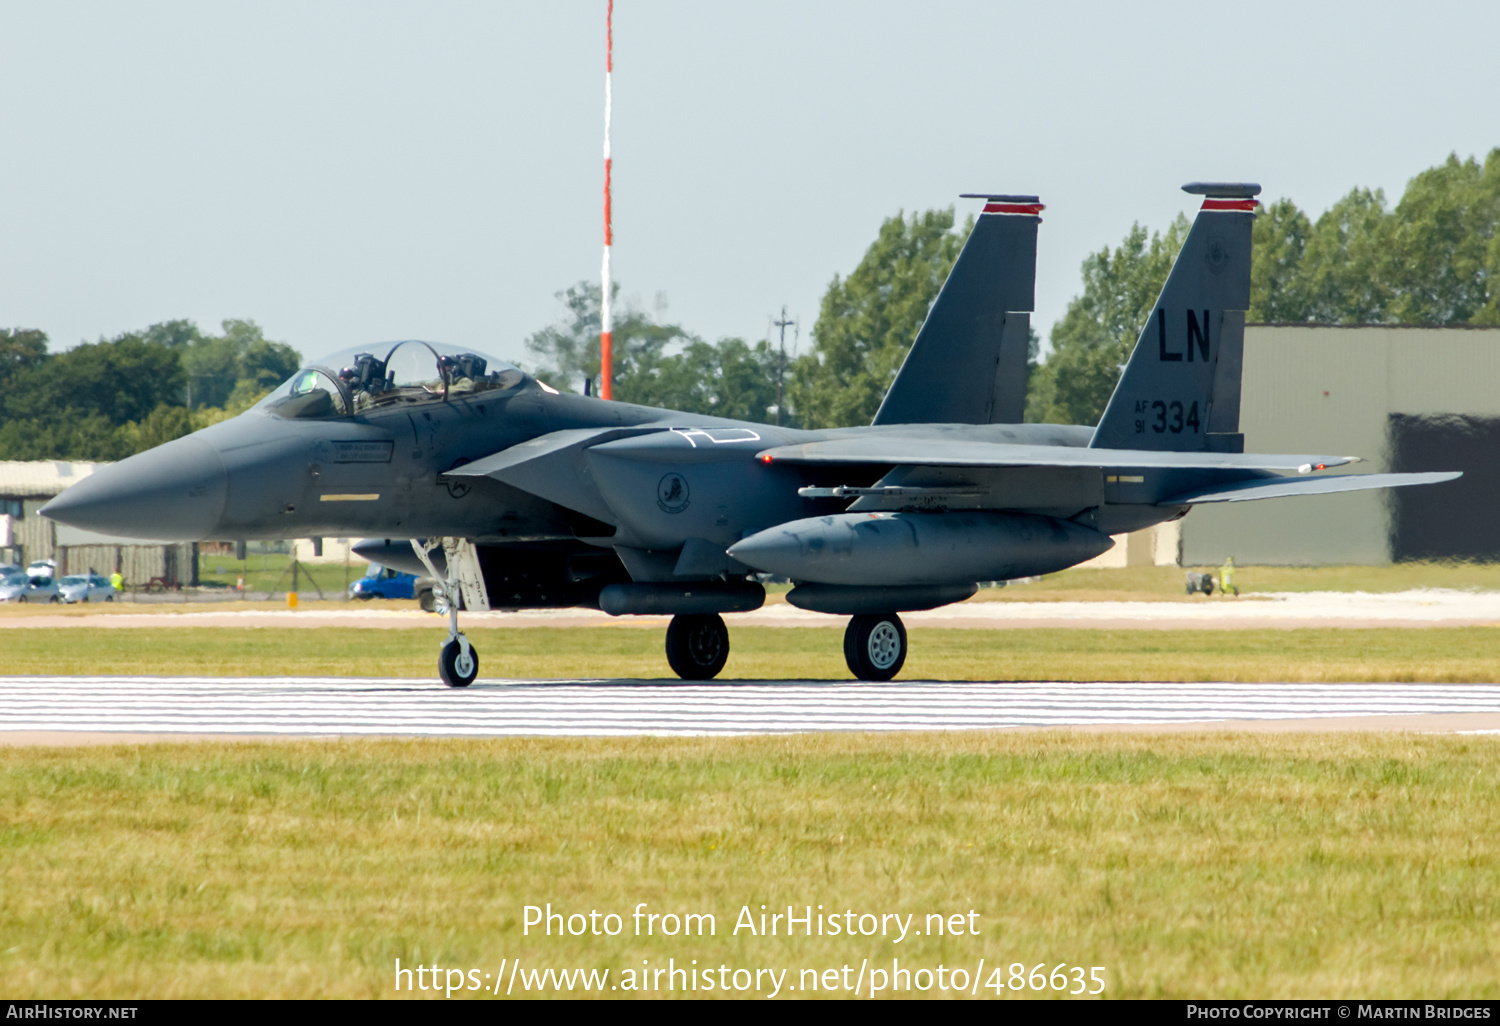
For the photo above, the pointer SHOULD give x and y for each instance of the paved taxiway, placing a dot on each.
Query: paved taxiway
(60, 709)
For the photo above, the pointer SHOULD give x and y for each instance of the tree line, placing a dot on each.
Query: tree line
(115, 397)
(1433, 258)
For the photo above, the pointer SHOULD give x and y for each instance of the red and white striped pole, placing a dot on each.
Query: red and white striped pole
(606, 356)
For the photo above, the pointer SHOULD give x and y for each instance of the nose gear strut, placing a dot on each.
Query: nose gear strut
(458, 662)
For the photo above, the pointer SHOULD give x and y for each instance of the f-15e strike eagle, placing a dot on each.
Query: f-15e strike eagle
(515, 496)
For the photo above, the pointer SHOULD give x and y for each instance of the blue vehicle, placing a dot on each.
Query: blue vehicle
(383, 582)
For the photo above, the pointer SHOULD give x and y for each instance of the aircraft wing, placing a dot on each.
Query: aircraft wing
(552, 466)
(926, 452)
(1261, 488)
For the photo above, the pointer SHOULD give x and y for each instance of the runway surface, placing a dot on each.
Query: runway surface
(52, 709)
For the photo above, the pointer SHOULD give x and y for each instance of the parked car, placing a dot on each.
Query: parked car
(383, 582)
(17, 587)
(86, 588)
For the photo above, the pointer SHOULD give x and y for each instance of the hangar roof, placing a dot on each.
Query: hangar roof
(40, 479)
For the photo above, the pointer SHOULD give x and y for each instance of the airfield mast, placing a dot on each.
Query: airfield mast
(606, 357)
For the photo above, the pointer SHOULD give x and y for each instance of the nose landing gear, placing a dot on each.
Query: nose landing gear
(458, 661)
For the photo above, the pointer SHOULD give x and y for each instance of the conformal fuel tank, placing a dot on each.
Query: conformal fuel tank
(896, 549)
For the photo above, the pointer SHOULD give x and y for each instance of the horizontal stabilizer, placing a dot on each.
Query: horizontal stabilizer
(1277, 488)
(884, 449)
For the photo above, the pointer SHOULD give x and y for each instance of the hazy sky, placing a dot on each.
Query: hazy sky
(349, 172)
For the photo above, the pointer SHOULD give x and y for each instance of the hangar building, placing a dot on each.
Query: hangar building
(1404, 398)
(26, 486)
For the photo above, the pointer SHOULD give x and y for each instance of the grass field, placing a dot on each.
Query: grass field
(1165, 583)
(262, 573)
(1187, 865)
(1436, 654)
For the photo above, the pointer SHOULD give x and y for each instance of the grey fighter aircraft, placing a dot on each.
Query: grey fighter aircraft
(515, 496)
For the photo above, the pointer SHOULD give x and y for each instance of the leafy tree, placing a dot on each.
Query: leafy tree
(728, 379)
(1437, 256)
(107, 400)
(240, 359)
(122, 380)
(161, 425)
(1341, 273)
(569, 349)
(1094, 338)
(869, 320)
(1433, 259)
(20, 350)
(77, 436)
(173, 334)
(1279, 243)
(731, 379)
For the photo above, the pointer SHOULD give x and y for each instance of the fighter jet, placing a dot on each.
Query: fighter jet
(516, 496)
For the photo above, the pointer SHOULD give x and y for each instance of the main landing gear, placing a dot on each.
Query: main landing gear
(458, 662)
(698, 646)
(875, 646)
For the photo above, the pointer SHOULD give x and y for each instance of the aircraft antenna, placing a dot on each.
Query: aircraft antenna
(606, 356)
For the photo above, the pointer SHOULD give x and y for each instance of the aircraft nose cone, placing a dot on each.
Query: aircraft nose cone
(175, 492)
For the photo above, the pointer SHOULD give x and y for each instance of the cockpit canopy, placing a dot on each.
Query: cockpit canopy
(366, 378)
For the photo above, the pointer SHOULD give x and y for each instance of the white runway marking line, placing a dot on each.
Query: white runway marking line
(305, 706)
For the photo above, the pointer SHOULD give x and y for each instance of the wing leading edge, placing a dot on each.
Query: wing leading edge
(958, 453)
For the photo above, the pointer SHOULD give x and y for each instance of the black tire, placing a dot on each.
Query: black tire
(22, 598)
(875, 646)
(450, 669)
(109, 598)
(697, 645)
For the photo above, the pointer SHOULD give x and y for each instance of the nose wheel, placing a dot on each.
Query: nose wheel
(458, 663)
(697, 645)
(875, 646)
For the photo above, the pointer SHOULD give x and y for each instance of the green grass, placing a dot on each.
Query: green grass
(264, 572)
(1189, 865)
(1436, 654)
(1166, 583)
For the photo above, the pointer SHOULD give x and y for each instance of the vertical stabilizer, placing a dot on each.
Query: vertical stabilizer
(1181, 388)
(968, 364)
